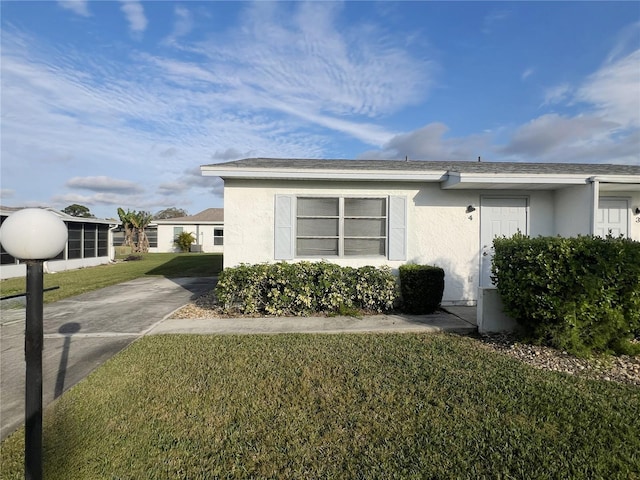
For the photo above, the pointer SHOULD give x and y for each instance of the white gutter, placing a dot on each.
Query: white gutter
(455, 178)
(632, 179)
(313, 174)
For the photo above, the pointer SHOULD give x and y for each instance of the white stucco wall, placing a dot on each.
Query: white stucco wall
(202, 233)
(439, 231)
(574, 210)
(52, 266)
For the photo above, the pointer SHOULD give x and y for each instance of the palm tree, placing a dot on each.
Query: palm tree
(126, 219)
(141, 220)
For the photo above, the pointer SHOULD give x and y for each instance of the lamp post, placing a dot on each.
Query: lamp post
(33, 235)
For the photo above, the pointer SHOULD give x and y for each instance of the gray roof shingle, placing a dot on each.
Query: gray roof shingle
(587, 169)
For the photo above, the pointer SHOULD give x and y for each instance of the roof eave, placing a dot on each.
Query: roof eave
(320, 174)
(457, 180)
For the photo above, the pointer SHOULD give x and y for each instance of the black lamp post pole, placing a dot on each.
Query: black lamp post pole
(33, 388)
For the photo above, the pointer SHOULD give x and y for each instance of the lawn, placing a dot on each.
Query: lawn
(74, 282)
(333, 406)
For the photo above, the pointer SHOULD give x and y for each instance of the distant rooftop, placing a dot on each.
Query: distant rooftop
(208, 215)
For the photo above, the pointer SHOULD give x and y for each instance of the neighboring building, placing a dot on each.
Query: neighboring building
(207, 228)
(89, 244)
(379, 212)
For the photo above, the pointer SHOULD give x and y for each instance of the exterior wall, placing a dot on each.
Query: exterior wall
(439, 231)
(203, 234)
(574, 211)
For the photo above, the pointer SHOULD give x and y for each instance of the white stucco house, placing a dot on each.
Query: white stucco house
(89, 244)
(207, 228)
(382, 212)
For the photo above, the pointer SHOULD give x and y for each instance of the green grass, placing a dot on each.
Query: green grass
(74, 282)
(333, 406)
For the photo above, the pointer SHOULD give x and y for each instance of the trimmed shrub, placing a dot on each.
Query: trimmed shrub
(577, 294)
(421, 287)
(305, 288)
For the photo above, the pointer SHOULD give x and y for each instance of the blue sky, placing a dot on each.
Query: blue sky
(117, 104)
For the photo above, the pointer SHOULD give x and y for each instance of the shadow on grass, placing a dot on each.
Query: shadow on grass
(190, 265)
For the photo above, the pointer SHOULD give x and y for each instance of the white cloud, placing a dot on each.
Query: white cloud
(527, 73)
(428, 143)
(614, 90)
(182, 26)
(134, 12)
(104, 184)
(79, 7)
(557, 94)
(7, 193)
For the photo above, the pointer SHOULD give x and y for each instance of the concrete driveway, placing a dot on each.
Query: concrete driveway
(82, 332)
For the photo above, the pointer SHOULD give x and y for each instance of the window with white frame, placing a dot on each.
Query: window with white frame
(340, 226)
(218, 236)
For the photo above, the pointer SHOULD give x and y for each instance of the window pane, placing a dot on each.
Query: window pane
(152, 236)
(89, 240)
(316, 247)
(364, 246)
(365, 207)
(361, 227)
(103, 240)
(317, 227)
(75, 240)
(317, 207)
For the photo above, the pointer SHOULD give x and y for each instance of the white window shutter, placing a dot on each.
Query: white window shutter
(283, 241)
(397, 228)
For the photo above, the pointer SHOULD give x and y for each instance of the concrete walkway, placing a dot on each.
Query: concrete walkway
(455, 319)
(83, 332)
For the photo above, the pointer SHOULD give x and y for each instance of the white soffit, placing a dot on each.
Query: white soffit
(508, 181)
(323, 174)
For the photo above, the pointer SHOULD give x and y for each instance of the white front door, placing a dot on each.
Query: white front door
(612, 217)
(499, 216)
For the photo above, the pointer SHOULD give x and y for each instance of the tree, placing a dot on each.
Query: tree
(184, 240)
(134, 224)
(127, 224)
(170, 213)
(76, 210)
(141, 220)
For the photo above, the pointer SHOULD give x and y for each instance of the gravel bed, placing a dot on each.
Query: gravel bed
(622, 369)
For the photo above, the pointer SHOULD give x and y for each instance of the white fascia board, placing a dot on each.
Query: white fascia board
(309, 174)
(616, 179)
(483, 180)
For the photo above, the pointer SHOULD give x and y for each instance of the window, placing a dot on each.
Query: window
(90, 240)
(340, 227)
(152, 236)
(75, 240)
(176, 231)
(218, 236)
(103, 240)
(5, 258)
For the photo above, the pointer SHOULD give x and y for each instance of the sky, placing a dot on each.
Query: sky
(113, 104)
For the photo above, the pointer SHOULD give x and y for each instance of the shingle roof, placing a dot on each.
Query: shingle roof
(208, 215)
(587, 169)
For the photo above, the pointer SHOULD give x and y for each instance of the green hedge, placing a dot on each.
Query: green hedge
(305, 288)
(422, 287)
(577, 294)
